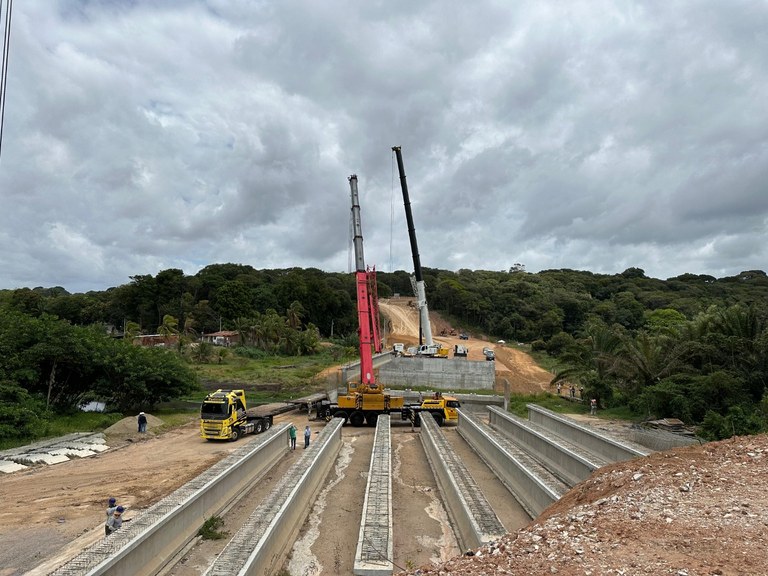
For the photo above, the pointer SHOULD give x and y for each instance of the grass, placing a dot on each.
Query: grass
(517, 405)
(210, 530)
(274, 375)
(64, 424)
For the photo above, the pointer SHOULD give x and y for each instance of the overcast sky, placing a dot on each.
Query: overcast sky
(592, 135)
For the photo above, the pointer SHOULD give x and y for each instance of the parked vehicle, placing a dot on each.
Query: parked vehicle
(489, 354)
(463, 336)
(432, 351)
(224, 416)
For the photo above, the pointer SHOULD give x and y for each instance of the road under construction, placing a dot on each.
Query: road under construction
(537, 459)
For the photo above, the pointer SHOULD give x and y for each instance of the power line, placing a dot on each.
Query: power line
(4, 66)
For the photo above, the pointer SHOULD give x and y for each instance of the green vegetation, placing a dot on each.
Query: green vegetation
(285, 376)
(210, 530)
(692, 347)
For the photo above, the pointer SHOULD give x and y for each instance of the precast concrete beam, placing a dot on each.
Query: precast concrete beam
(593, 440)
(532, 485)
(374, 553)
(474, 521)
(568, 461)
(262, 543)
(143, 546)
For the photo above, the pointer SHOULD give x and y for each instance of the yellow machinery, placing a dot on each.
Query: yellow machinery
(224, 416)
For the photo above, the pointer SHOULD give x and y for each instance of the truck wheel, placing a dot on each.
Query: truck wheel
(356, 418)
(267, 425)
(342, 414)
(259, 427)
(438, 419)
(235, 434)
(371, 418)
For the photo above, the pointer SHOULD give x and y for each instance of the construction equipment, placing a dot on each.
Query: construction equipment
(224, 416)
(435, 350)
(441, 408)
(366, 399)
(425, 328)
(460, 351)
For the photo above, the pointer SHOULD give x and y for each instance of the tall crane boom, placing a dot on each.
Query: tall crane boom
(367, 299)
(419, 288)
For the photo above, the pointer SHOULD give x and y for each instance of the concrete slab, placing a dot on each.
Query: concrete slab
(7, 466)
(71, 452)
(40, 458)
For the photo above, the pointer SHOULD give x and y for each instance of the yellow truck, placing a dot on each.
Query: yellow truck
(224, 416)
(442, 408)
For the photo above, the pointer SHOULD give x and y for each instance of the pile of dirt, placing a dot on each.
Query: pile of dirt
(129, 425)
(695, 511)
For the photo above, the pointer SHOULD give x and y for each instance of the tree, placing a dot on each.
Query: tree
(294, 314)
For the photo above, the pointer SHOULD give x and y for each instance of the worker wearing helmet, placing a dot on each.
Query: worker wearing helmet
(114, 522)
(111, 507)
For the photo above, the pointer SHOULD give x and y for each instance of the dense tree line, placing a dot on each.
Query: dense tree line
(690, 346)
(50, 366)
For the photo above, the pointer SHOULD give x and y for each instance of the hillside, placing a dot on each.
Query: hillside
(512, 365)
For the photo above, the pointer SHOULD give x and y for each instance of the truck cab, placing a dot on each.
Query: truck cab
(224, 416)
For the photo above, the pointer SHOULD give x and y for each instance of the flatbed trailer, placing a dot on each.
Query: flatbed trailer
(441, 408)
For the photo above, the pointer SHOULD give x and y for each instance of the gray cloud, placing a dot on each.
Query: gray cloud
(586, 135)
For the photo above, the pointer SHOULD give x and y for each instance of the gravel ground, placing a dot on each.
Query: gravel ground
(694, 511)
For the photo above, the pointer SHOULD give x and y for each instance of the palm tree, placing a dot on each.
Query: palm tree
(592, 361)
(294, 314)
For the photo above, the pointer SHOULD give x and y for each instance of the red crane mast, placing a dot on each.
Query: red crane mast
(367, 300)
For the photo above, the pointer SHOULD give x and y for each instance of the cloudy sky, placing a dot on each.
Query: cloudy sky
(594, 135)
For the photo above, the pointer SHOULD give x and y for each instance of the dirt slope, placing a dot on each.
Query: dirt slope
(696, 511)
(512, 365)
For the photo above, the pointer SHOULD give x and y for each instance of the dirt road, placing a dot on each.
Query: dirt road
(512, 365)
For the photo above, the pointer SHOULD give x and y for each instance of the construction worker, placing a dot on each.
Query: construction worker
(114, 522)
(111, 506)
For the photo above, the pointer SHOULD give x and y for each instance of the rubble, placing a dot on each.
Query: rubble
(692, 511)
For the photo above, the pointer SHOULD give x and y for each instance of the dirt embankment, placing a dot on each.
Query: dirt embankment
(513, 366)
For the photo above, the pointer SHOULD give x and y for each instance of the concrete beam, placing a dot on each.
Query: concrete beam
(532, 485)
(374, 553)
(593, 440)
(473, 519)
